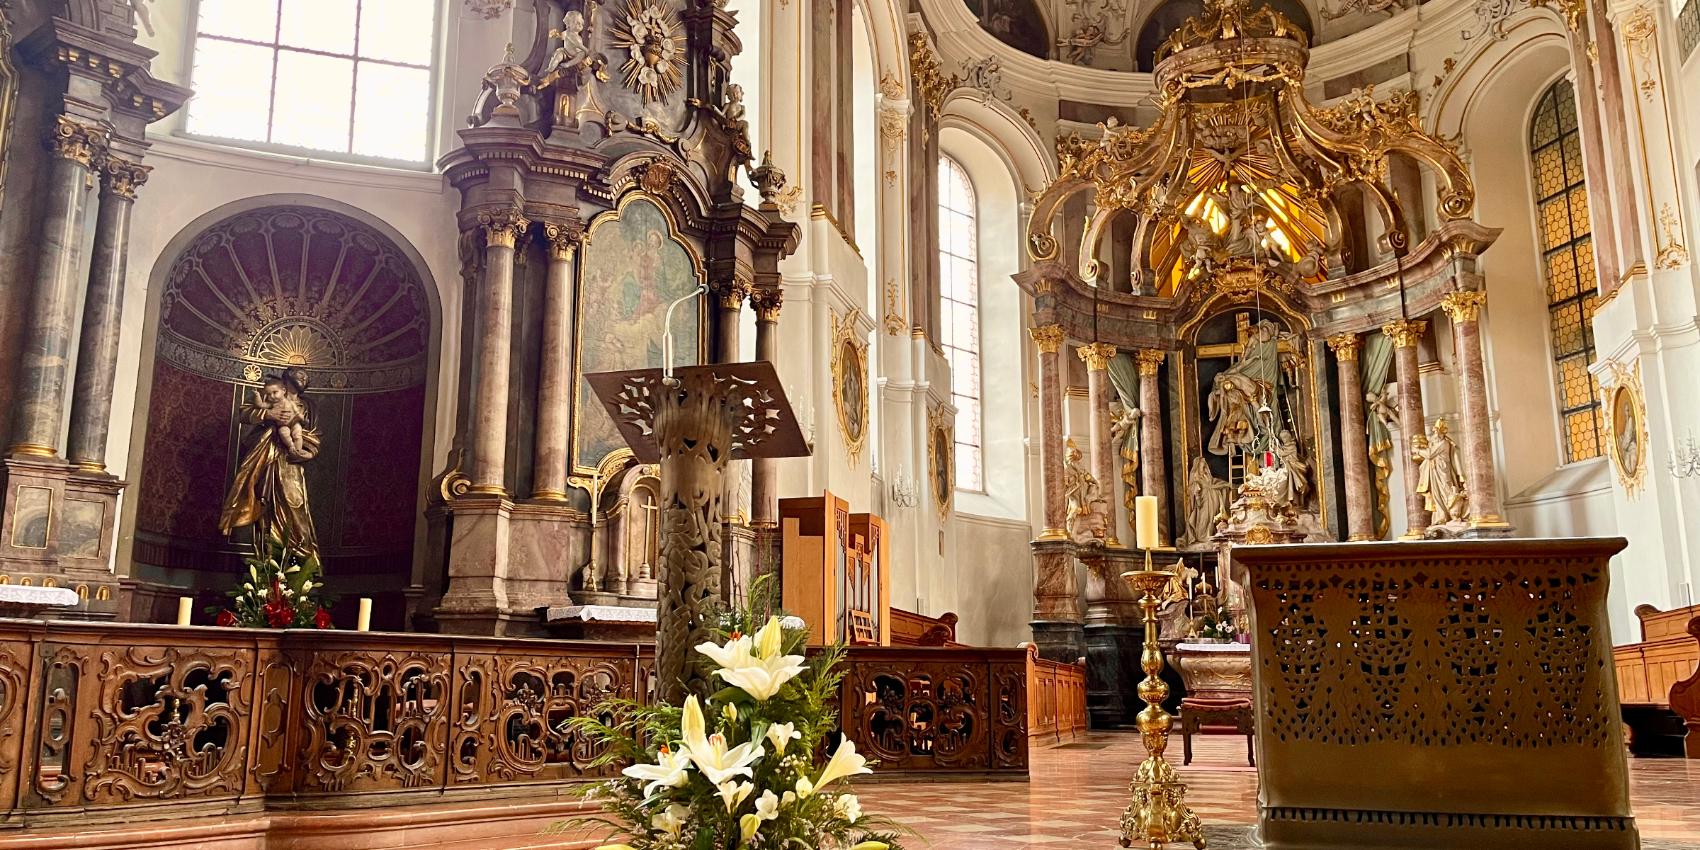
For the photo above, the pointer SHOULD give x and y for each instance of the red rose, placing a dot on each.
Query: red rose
(322, 619)
(279, 616)
(225, 618)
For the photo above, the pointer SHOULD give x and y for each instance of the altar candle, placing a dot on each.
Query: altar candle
(183, 603)
(1145, 521)
(364, 622)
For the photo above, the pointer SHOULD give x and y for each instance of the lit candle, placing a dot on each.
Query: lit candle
(364, 622)
(183, 603)
(1145, 522)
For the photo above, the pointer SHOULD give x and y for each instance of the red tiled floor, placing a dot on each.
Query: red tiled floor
(1076, 797)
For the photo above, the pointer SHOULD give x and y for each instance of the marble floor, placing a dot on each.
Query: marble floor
(1078, 791)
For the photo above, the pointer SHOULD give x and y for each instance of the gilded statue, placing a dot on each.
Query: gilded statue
(1207, 500)
(1437, 475)
(269, 492)
(1087, 511)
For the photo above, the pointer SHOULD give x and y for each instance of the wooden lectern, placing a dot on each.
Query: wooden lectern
(835, 573)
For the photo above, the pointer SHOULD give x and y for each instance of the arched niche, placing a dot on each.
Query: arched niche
(1168, 16)
(246, 293)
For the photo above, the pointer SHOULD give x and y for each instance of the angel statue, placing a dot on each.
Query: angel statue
(1437, 475)
(1087, 511)
(570, 55)
(1124, 430)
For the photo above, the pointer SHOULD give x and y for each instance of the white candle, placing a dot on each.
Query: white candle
(1145, 522)
(183, 603)
(364, 622)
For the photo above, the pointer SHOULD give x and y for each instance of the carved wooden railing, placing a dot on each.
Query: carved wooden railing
(103, 722)
(1056, 699)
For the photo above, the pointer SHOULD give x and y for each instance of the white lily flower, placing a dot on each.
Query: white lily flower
(734, 793)
(671, 822)
(733, 653)
(709, 753)
(767, 806)
(748, 825)
(770, 640)
(787, 798)
(780, 735)
(845, 762)
(762, 673)
(848, 806)
(804, 787)
(668, 772)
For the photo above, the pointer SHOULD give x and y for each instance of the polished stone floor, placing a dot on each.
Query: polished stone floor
(1078, 791)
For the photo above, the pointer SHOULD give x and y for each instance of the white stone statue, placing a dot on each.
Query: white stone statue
(572, 52)
(1437, 475)
(1206, 500)
(1237, 393)
(1088, 513)
(1293, 488)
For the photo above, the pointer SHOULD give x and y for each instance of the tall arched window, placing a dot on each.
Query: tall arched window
(349, 77)
(959, 286)
(1561, 210)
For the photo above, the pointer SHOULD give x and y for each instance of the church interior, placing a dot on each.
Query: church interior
(624, 423)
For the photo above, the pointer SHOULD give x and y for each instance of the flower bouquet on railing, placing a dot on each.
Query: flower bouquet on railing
(743, 771)
(280, 591)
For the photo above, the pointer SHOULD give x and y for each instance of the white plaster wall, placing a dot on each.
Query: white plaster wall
(996, 598)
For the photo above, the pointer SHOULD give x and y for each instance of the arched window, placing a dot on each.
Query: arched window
(959, 287)
(1567, 248)
(349, 77)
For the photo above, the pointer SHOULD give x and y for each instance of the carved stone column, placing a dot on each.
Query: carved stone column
(502, 230)
(555, 372)
(1151, 437)
(42, 374)
(97, 349)
(1049, 338)
(1406, 335)
(1097, 357)
(764, 472)
(1354, 439)
(1056, 624)
(1464, 308)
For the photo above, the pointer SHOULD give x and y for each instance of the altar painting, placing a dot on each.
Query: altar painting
(633, 267)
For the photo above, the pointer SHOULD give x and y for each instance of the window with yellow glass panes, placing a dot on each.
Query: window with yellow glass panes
(1567, 249)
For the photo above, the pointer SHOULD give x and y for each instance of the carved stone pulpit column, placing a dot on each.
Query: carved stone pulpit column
(1465, 308)
(1097, 357)
(1354, 438)
(692, 422)
(1056, 590)
(1406, 335)
(555, 369)
(1151, 468)
(502, 231)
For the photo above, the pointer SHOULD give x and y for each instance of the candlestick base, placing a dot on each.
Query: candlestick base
(1158, 814)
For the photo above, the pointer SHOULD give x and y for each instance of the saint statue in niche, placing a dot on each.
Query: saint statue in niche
(1237, 393)
(1437, 475)
(1294, 483)
(269, 492)
(1207, 500)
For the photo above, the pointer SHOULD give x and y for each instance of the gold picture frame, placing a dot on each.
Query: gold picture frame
(8, 90)
(941, 457)
(1625, 410)
(850, 384)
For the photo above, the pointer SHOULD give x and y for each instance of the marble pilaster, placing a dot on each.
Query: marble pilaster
(1151, 466)
(502, 230)
(1406, 336)
(43, 370)
(764, 472)
(1354, 439)
(555, 370)
(1464, 308)
(97, 347)
(1097, 357)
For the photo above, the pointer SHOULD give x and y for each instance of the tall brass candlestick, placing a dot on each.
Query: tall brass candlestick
(1158, 813)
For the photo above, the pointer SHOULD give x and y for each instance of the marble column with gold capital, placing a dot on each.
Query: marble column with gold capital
(1057, 622)
(1464, 308)
(764, 472)
(1406, 335)
(729, 315)
(502, 230)
(1151, 467)
(43, 371)
(1098, 388)
(103, 306)
(1049, 339)
(1354, 438)
(555, 371)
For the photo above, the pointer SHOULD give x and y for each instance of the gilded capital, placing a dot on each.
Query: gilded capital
(503, 228)
(1049, 338)
(732, 294)
(76, 141)
(1464, 305)
(1345, 346)
(1149, 359)
(1097, 355)
(1404, 333)
(767, 303)
(563, 239)
(122, 177)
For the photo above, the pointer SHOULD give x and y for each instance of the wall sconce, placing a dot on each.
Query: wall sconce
(1685, 458)
(904, 490)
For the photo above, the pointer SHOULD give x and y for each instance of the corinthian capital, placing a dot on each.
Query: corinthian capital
(1346, 346)
(1404, 333)
(1097, 355)
(1149, 359)
(76, 141)
(1464, 305)
(503, 227)
(1048, 337)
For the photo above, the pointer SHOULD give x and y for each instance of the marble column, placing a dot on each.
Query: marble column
(43, 372)
(1057, 623)
(1097, 357)
(97, 348)
(1465, 308)
(1151, 437)
(1049, 339)
(1406, 336)
(764, 472)
(1354, 439)
(555, 372)
(502, 230)
(729, 317)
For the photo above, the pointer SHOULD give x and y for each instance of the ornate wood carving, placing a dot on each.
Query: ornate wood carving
(168, 723)
(512, 715)
(373, 720)
(937, 710)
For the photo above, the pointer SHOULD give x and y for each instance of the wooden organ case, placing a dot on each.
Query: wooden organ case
(834, 571)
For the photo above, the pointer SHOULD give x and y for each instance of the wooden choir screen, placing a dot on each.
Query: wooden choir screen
(834, 571)
(1056, 699)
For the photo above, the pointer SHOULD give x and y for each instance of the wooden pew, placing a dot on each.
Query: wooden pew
(911, 629)
(1658, 681)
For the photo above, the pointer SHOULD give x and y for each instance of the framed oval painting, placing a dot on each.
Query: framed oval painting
(1628, 433)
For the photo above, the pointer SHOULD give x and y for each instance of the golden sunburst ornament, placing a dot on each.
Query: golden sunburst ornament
(655, 65)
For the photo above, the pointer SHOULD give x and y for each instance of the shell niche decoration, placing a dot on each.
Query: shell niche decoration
(650, 34)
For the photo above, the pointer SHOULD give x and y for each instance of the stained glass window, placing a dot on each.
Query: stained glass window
(959, 297)
(350, 77)
(1567, 247)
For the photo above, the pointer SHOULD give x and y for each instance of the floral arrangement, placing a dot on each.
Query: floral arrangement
(280, 592)
(742, 770)
(1217, 625)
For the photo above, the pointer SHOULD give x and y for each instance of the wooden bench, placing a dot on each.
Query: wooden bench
(1658, 682)
(911, 629)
